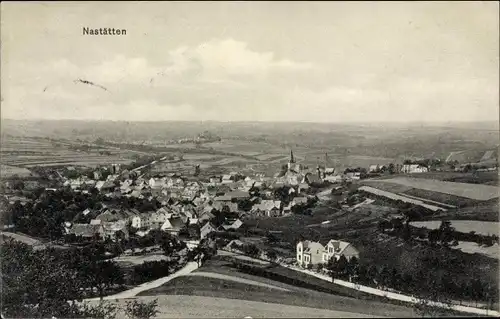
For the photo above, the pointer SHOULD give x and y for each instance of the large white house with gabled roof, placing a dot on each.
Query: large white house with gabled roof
(311, 252)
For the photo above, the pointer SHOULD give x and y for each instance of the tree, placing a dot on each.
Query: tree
(446, 232)
(102, 275)
(353, 268)
(433, 236)
(251, 250)
(36, 283)
(272, 255)
(141, 310)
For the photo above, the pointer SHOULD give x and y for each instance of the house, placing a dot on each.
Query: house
(309, 252)
(97, 175)
(414, 168)
(374, 168)
(227, 179)
(299, 201)
(329, 171)
(237, 195)
(232, 225)
(220, 206)
(136, 193)
(214, 180)
(302, 188)
(156, 183)
(270, 208)
(105, 186)
(337, 248)
(223, 198)
(85, 230)
(173, 225)
(206, 216)
(207, 229)
(311, 178)
(333, 178)
(142, 220)
(353, 175)
(158, 218)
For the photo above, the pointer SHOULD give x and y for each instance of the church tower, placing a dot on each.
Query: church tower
(291, 161)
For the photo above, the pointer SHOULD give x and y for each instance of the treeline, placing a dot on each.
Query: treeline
(45, 215)
(445, 235)
(432, 283)
(51, 283)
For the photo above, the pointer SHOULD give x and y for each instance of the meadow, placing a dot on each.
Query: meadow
(464, 226)
(24, 152)
(476, 192)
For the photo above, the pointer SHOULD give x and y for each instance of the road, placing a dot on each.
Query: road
(190, 266)
(184, 306)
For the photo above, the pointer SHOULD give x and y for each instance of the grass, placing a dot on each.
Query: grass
(476, 192)
(9, 171)
(202, 286)
(379, 249)
(487, 178)
(457, 201)
(464, 226)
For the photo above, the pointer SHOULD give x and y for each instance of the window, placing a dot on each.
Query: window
(300, 248)
(299, 257)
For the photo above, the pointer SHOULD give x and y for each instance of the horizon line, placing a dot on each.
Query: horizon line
(259, 121)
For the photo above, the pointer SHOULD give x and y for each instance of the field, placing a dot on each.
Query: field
(456, 201)
(394, 196)
(137, 260)
(8, 171)
(472, 248)
(239, 285)
(464, 226)
(188, 306)
(476, 192)
(486, 178)
(30, 152)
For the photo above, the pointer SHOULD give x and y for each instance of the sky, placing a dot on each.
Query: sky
(252, 61)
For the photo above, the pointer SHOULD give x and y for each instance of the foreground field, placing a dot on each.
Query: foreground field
(189, 306)
(476, 192)
(296, 296)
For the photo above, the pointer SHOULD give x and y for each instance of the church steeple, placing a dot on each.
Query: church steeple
(292, 160)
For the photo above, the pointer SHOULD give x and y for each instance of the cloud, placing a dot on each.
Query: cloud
(222, 58)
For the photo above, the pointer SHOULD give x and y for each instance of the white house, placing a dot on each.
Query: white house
(309, 252)
(207, 229)
(156, 183)
(337, 248)
(414, 168)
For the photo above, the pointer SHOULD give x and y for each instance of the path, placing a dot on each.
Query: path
(190, 266)
(241, 257)
(235, 279)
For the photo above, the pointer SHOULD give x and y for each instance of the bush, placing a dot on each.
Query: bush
(150, 270)
(141, 310)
